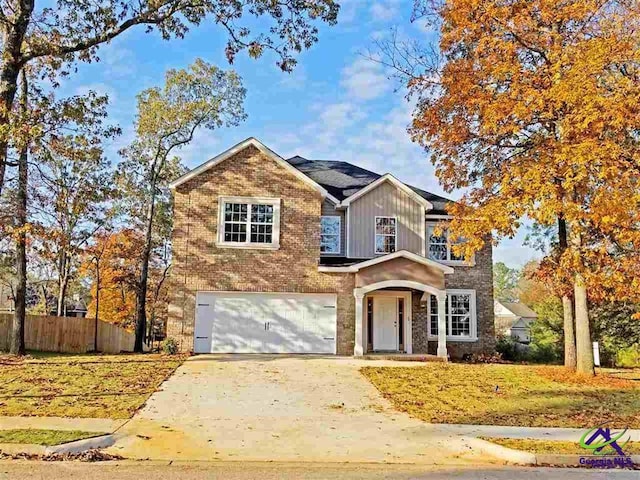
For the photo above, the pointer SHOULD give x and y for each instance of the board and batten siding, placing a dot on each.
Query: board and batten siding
(385, 201)
(328, 209)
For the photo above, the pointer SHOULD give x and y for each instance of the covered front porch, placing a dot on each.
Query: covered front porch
(387, 291)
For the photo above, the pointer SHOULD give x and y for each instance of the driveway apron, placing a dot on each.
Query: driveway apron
(281, 408)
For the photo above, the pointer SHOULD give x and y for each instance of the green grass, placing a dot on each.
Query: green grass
(532, 396)
(88, 386)
(554, 447)
(44, 437)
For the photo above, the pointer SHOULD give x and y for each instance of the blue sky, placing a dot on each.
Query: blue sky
(337, 104)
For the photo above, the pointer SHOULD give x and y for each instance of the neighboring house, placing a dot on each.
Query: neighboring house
(514, 319)
(75, 307)
(306, 256)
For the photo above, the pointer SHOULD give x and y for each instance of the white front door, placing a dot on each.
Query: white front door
(385, 323)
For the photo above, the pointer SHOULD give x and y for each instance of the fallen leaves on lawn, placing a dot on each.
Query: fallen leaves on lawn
(531, 396)
(565, 375)
(107, 386)
(88, 456)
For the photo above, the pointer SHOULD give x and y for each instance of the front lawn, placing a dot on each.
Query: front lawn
(554, 447)
(44, 437)
(520, 395)
(89, 386)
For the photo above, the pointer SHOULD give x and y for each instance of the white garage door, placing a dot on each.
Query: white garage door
(265, 323)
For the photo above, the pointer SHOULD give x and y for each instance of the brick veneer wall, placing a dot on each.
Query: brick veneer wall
(480, 278)
(199, 265)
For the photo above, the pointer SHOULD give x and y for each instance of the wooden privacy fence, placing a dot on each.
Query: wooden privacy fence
(67, 334)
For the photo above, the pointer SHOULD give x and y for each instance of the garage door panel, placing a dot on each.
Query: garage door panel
(266, 323)
(235, 322)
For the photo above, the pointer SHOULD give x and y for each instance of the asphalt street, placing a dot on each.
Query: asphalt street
(35, 470)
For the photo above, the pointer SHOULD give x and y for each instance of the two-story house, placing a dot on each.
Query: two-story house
(306, 256)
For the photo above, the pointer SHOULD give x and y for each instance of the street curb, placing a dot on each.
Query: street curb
(22, 448)
(519, 457)
(80, 446)
(503, 453)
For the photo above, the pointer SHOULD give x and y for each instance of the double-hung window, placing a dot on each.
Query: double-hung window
(439, 245)
(330, 234)
(460, 314)
(385, 236)
(249, 222)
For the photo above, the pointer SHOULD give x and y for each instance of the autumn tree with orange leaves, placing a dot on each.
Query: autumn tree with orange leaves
(532, 108)
(111, 264)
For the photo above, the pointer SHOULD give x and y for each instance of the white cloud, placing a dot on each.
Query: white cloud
(117, 61)
(364, 79)
(350, 132)
(424, 26)
(384, 10)
(513, 254)
(205, 145)
(349, 10)
(337, 116)
(329, 124)
(296, 80)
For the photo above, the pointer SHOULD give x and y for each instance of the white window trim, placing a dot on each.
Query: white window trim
(339, 234)
(275, 202)
(473, 321)
(454, 263)
(375, 234)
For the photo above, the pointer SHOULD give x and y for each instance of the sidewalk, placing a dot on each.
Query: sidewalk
(538, 433)
(108, 425)
(102, 425)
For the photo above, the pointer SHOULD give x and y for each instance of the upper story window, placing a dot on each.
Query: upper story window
(249, 222)
(460, 314)
(385, 239)
(330, 234)
(439, 246)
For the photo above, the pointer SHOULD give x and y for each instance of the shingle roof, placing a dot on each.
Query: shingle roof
(519, 309)
(342, 179)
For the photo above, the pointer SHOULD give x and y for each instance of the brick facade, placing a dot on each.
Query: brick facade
(480, 278)
(200, 265)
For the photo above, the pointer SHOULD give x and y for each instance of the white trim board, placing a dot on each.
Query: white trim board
(251, 141)
(385, 258)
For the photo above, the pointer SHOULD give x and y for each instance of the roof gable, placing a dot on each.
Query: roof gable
(387, 178)
(251, 141)
(335, 180)
(343, 179)
(522, 323)
(519, 309)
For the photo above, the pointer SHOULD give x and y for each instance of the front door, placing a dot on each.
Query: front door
(385, 323)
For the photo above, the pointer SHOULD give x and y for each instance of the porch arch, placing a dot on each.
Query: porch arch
(360, 292)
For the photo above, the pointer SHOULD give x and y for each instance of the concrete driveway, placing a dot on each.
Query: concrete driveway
(281, 408)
